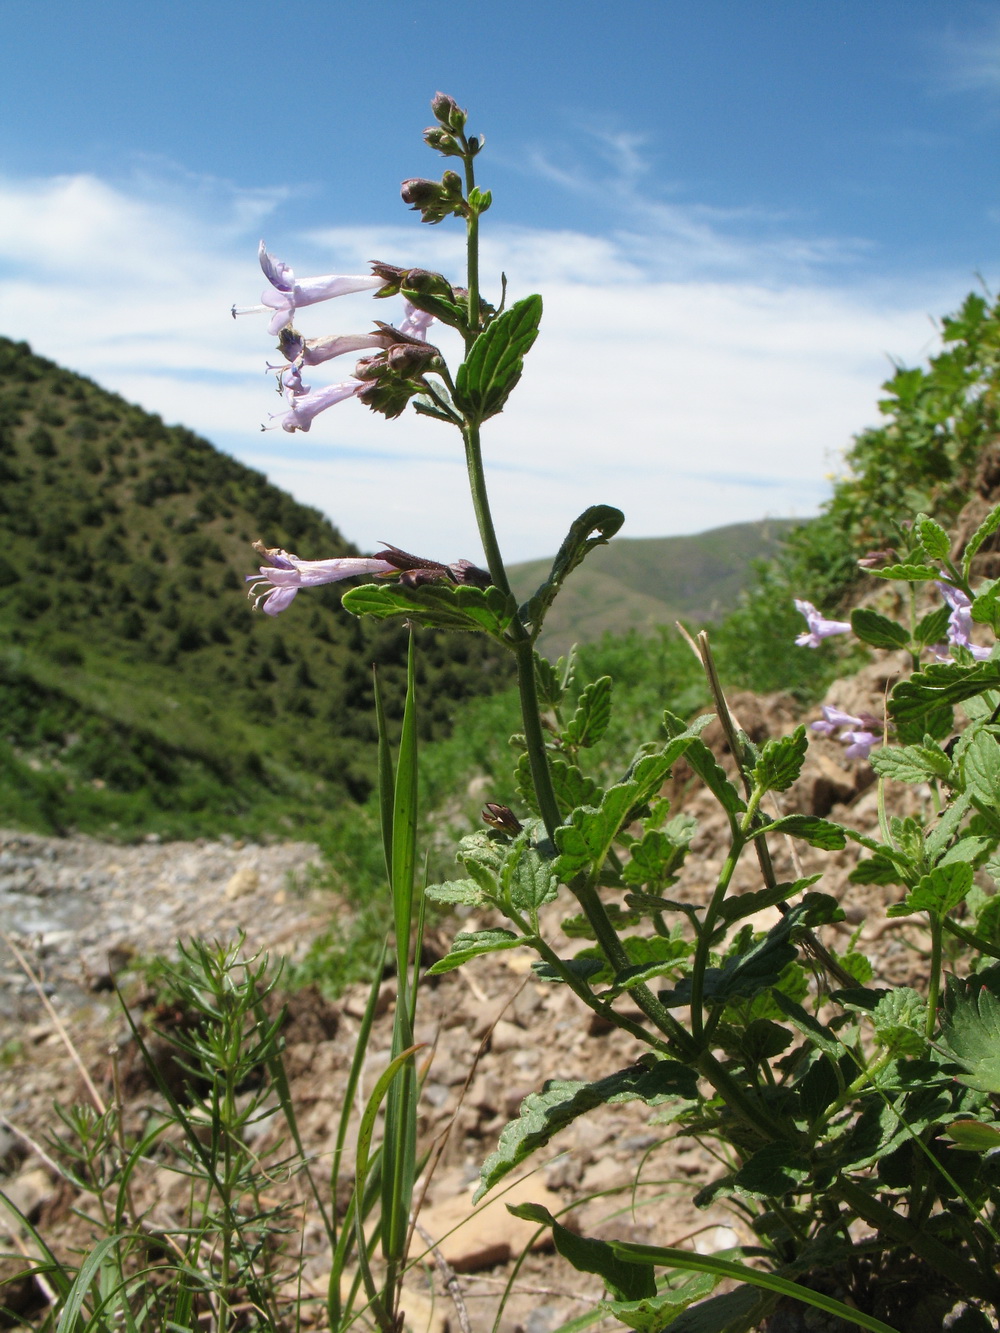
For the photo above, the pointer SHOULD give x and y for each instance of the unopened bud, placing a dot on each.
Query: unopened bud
(371, 367)
(442, 141)
(501, 817)
(426, 283)
(405, 358)
(448, 113)
(420, 192)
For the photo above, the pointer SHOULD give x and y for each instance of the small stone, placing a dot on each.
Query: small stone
(241, 882)
(475, 1238)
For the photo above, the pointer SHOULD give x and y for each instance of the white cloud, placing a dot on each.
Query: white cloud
(690, 401)
(970, 61)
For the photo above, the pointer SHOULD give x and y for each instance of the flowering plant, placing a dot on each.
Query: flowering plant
(855, 1123)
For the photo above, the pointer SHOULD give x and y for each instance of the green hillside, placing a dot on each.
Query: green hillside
(138, 690)
(640, 582)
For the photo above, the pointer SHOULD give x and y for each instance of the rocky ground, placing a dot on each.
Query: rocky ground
(75, 910)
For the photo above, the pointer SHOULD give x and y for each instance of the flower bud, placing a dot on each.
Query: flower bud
(405, 359)
(448, 113)
(388, 395)
(442, 141)
(420, 192)
(501, 817)
(391, 275)
(425, 283)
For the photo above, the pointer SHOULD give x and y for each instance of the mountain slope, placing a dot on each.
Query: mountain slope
(138, 690)
(640, 582)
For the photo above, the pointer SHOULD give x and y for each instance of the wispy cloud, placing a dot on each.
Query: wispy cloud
(969, 61)
(691, 394)
(689, 239)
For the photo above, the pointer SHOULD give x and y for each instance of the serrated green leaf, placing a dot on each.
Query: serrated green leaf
(972, 1038)
(495, 361)
(772, 1171)
(581, 968)
(986, 529)
(650, 1315)
(465, 891)
(661, 957)
(571, 785)
(981, 766)
(561, 1101)
(911, 573)
(933, 537)
(714, 776)
(880, 869)
(760, 966)
(595, 527)
(654, 860)
(593, 713)
(932, 627)
(910, 763)
(818, 1033)
(900, 1019)
(530, 880)
(810, 828)
(781, 761)
(468, 945)
(878, 631)
(985, 609)
(938, 892)
(439, 605)
(589, 832)
(942, 683)
(741, 905)
(626, 1280)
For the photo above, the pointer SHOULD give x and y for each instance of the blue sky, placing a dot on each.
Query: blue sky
(736, 213)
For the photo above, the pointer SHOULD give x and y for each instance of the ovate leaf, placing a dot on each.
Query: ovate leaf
(470, 945)
(438, 605)
(493, 366)
(595, 527)
(876, 630)
(986, 529)
(781, 761)
(593, 713)
(972, 1037)
(561, 1101)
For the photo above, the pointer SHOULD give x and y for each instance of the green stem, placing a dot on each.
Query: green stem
(934, 986)
(472, 245)
(705, 938)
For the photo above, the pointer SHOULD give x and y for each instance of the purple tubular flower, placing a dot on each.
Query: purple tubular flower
(286, 295)
(416, 322)
(304, 406)
(274, 587)
(818, 627)
(960, 622)
(833, 718)
(861, 743)
(859, 740)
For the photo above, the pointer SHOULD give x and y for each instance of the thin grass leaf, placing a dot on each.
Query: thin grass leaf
(722, 1268)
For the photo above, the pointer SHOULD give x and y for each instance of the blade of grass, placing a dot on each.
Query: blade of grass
(723, 1268)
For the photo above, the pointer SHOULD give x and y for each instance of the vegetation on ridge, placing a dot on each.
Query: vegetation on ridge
(138, 692)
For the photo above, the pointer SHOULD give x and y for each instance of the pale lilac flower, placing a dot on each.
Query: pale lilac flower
(959, 624)
(861, 743)
(818, 627)
(306, 405)
(834, 717)
(274, 587)
(416, 322)
(286, 295)
(859, 739)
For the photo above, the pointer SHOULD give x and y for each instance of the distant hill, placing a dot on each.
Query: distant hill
(640, 582)
(138, 691)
